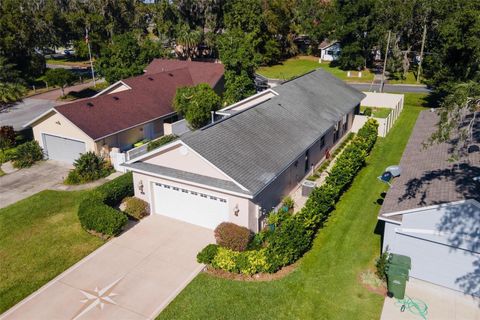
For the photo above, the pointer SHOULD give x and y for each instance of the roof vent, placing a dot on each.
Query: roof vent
(116, 98)
(150, 78)
(170, 74)
(89, 104)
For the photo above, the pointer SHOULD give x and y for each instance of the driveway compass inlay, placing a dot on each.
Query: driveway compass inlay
(97, 297)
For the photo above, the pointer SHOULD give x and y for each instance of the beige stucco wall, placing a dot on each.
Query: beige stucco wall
(246, 215)
(57, 125)
(182, 158)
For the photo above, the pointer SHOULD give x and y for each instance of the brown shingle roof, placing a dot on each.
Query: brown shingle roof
(201, 72)
(150, 98)
(429, 177)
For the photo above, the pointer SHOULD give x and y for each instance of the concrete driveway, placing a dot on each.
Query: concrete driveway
(23, 183)
(133, 276)
(442, 303)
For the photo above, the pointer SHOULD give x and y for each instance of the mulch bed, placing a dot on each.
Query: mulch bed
(256, 277)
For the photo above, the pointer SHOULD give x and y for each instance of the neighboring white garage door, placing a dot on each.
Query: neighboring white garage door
(62, 149)
(194, 207)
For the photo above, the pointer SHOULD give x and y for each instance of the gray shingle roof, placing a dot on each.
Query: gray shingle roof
(428, 177)
(187, 176)
(255, 145)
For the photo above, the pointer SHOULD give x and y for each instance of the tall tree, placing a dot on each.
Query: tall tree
(196, 104)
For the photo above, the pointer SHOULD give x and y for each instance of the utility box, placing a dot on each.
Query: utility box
(307, 188)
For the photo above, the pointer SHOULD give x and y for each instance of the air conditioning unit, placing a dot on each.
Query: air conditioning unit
(307, 188)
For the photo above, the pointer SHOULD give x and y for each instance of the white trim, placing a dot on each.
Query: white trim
(136, 125)
(389, 220)
(437, 206)
(154, 151)
(249, 99)
(112, 86)
(28, 124)
(420, 231)
(63, 137)
(156, 175)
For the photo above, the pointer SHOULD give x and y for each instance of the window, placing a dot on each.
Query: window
(345, 123)
(330, 52)
(223, 200)
(166, 187)
(194, 193)
(203, 195)
(213, 198)
(322, 142)
(175, 188)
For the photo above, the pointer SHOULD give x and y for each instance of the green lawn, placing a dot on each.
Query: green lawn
(297, 66)
(39, 238)
(409, 79)
(325, 285)
(378, 112)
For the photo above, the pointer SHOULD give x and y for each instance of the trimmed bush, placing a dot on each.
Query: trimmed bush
(160, 142)
(254, 261)
(232, 236)
(207, 254)
(7, 155)
(135, 208)
(88, 167)
(286, 244)
(27, 154)
(98, 217)
(113, 192)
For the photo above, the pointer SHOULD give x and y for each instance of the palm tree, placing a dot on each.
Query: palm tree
(10, 93)
(189, 40)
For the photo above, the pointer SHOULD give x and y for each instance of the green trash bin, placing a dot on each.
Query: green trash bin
(400, 260)
(397, 269)
(396, 282)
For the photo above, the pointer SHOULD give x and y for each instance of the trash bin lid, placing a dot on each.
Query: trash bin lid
(398, 259)
(397, 270)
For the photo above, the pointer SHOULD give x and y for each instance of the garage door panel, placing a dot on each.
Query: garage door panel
(190, 206)
(437, 263)
(62, 149)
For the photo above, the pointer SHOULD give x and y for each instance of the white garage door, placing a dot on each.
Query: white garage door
(62, 149)
(193, 207)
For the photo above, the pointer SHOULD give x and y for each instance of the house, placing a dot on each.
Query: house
(126, 112)
(431, 212)
(329, 50)
(241, 166)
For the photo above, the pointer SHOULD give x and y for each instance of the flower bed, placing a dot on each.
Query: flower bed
(292, 235)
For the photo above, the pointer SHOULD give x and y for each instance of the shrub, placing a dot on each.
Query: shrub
(288, 203)
(160, 142)
(288, 243)
(135, 208)
(207, 254)
(88, 167)
(7, 155)
(113, 192)
(98, 217)
(232, 236)
(7, 137)
(381, 265)
(367, 111)
(27, 154)
(251, 262)
(226, 259)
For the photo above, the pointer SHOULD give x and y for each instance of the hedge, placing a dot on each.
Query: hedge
(96, 213)
(232, 236)
(114, 191)
(97, 216)
(294, 235)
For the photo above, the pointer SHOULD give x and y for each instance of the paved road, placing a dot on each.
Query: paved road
(398, 88)
(30, 108)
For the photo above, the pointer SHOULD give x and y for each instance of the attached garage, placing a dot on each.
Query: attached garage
(62, 149)
(201, 209)
(442, 242)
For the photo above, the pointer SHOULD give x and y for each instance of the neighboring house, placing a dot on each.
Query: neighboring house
(329, 50)
(128, 111)
(241, 166)
(431, 212)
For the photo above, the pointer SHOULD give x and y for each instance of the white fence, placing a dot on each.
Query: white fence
(117, 158)
(380, 100)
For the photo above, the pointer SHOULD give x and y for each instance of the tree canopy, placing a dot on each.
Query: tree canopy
(196, 104)
(59, 77)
